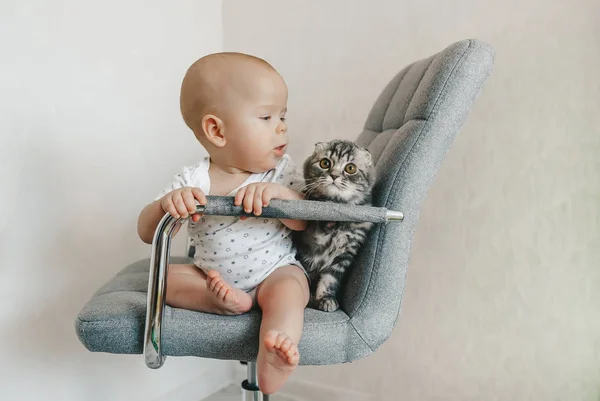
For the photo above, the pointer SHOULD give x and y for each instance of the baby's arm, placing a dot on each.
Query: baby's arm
(178, 203)
(256, 196)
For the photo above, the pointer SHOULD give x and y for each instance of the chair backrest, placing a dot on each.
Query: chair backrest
(409, 132)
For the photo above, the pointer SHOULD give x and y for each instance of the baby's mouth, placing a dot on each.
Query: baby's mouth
(280, 149)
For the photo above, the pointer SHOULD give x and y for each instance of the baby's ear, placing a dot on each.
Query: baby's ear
(213, 130)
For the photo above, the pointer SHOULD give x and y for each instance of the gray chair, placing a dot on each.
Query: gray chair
(409, 132)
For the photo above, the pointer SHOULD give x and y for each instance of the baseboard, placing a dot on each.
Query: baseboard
(207, 384)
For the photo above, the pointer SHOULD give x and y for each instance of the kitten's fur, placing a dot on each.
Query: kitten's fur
(327, 249)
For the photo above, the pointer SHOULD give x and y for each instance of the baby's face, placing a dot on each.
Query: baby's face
(255, 125)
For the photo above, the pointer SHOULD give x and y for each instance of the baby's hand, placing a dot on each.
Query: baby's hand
(180, 202)
(256, 196)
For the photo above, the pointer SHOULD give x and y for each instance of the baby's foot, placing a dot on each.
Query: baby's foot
(277, 358)
(227, 300)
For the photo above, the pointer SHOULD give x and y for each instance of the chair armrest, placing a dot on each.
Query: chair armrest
(223, 206)
(302, 210)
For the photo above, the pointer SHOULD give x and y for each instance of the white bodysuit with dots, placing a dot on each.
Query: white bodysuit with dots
(244, 252)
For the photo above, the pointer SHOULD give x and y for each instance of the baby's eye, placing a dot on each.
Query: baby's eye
(282, 118)
(266, 118)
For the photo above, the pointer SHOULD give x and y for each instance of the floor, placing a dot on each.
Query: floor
(293, 390)
(296, 391)
(233, 393)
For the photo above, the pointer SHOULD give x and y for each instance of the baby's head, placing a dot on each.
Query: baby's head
(235, 104)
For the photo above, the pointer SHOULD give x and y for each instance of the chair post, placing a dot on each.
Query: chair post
(157, 282)
(250, 390)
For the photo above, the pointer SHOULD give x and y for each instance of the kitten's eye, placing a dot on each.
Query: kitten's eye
(325, 164)
(266, 118)
(350, 168)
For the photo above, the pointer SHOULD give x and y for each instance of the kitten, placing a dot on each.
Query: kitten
(342, 172)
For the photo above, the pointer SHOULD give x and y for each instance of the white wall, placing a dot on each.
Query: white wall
(90, 131)
(502, 300)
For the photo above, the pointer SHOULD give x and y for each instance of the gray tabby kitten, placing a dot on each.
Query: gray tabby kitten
(342, 172)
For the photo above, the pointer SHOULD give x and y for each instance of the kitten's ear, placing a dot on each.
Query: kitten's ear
(367, 155)
(320, 146)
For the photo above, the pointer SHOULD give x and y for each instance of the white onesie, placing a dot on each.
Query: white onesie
(244, 252)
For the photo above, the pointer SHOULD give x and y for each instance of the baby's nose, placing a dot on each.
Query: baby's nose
(281, 128)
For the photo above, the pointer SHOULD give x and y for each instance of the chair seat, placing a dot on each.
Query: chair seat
(114, 318)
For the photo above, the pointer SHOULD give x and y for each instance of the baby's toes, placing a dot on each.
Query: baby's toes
(294, 358)
(281, 354)
(223, 291)
(280, 340)
(292, 355)
(212, 274)
(285, 345)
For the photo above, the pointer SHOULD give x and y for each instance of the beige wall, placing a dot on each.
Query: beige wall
(503, 294)
(89, 101)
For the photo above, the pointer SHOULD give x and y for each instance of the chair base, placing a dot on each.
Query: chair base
(250, 390)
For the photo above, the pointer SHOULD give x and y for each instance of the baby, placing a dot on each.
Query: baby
(236, 104)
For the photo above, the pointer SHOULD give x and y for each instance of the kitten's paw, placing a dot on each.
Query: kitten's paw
(327, 304)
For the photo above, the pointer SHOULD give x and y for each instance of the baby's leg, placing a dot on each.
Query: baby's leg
(189, 288)
(282, 297)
